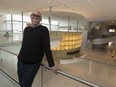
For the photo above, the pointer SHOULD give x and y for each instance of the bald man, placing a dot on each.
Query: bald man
(36, 42)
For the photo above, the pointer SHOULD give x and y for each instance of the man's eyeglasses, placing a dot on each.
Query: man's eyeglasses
(34, 15)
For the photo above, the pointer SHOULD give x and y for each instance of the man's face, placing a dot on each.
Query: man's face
(36, 18)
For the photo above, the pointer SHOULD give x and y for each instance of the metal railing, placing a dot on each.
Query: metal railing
(59, 72)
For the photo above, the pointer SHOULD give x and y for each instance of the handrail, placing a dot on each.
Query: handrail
(63, 73)
(73, 77)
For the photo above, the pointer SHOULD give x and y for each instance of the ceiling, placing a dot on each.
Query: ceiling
(91, 9)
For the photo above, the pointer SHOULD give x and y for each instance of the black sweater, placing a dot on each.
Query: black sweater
(35, 43)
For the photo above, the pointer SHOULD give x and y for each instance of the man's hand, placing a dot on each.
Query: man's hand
(55, 69)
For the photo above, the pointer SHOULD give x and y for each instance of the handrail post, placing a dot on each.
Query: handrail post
(0, 60)
(41, 76)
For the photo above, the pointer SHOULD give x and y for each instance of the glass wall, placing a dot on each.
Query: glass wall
(19, 22)
(13, 24)
(57, 20)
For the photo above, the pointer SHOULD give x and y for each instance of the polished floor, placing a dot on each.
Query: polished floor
(95, 66)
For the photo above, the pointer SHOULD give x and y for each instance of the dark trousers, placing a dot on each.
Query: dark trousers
(27, 73)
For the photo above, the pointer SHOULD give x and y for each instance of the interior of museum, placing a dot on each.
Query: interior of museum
(83, 47)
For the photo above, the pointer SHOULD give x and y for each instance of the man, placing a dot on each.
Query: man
(35, 43)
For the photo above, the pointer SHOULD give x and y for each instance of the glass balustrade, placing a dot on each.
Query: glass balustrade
(45, 77)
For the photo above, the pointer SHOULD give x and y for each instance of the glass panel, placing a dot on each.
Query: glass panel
(9, 64)
(53, 80)
(95, 72)
(61, 21)
(5, 28)
(5, 82)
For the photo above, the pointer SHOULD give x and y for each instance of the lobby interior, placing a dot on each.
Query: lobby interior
(83, 41)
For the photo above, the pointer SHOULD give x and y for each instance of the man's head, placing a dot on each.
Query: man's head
(35, 17)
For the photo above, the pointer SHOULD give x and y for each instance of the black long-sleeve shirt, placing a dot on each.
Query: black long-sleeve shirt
(35, 43)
